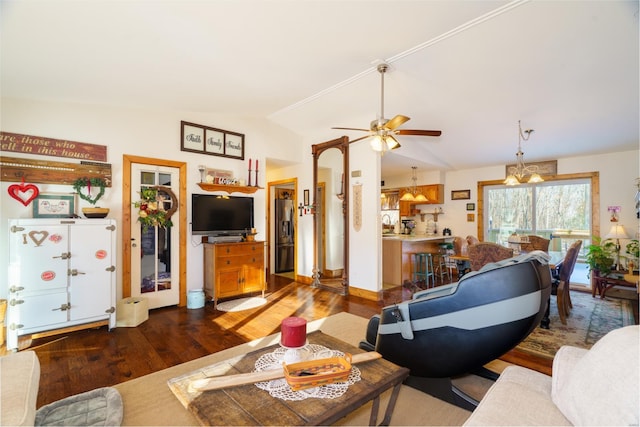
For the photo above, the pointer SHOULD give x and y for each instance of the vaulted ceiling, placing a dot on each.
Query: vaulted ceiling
(567, 69)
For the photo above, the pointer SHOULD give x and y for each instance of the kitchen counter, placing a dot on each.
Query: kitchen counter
(397, 254)
(417, 237)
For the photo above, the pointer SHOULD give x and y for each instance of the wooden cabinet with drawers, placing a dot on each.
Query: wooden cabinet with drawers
(232, 269)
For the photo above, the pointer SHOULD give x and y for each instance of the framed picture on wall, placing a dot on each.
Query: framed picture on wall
(460, 194)
(54, 206)
(471, 217)
(192, 137)
(214, 141)
(234, 145)
(471, 206)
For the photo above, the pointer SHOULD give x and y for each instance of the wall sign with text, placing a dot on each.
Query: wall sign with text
(207, 140)
(45, 146)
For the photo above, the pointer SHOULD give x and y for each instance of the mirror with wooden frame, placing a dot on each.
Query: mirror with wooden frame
(330, 227)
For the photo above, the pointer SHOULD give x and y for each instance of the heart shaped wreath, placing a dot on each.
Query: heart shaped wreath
(80, 183)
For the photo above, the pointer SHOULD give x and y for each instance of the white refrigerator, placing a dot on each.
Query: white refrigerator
(61, 273)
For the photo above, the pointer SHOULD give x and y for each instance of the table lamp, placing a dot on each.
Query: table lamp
(617, 232)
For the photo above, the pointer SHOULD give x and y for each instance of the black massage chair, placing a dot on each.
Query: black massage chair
(455, 329)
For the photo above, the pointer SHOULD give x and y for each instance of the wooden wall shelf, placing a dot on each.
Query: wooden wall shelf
(228, 188)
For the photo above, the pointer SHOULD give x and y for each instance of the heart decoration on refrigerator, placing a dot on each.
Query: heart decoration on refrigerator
(20, 192)
(38, 236)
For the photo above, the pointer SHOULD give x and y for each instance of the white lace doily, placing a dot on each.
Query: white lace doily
(280, 388)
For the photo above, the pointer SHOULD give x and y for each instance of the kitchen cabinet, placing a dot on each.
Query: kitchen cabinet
(61, 276)
(406, 208)
(232, 269)
(434, 192)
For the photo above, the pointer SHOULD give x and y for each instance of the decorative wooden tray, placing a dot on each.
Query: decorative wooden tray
(318, 372)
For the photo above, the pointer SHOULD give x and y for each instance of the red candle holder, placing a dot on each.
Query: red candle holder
(293, 332)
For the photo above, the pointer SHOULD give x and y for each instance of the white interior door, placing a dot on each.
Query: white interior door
(155, 269)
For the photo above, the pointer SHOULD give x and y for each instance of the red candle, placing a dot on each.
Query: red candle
(256, 164)
(249, 164)
(294, 332)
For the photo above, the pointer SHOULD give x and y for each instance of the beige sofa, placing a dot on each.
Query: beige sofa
(589, 387)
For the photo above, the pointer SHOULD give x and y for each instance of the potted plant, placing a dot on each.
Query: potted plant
(91, 184)
(601, 256)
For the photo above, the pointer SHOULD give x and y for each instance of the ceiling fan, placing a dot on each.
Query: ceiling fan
(383, 130)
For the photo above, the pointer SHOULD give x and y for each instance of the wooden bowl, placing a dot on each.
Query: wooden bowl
(95, 212)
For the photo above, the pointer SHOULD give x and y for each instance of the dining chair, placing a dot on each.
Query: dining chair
(484, 253)
(535, 243)
(460, 245)
(472, 240)
(563, 297)
(461, 248)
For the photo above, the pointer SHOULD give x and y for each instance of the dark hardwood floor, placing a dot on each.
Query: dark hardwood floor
(87, 359)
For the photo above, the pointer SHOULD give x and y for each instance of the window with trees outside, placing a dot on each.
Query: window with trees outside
(557, 210)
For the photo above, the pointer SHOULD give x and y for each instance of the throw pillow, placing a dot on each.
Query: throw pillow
(603, 387)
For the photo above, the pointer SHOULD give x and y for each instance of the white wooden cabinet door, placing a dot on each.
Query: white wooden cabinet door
(42, 311)
(91, 270)
(38, 256)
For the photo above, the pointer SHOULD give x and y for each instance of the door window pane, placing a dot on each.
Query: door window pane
(155, 265)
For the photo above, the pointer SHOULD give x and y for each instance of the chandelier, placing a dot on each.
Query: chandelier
(521, 170)
(412, 194)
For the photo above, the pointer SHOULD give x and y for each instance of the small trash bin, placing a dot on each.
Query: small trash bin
(195, 298)
(131, 312)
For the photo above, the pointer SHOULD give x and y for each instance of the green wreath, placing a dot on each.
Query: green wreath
(80, 183)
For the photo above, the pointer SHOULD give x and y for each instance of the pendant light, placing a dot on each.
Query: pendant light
(412, 194)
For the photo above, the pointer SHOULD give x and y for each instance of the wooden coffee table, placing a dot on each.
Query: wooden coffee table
(248, 405)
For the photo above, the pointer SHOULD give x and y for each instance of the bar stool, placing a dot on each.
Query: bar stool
(423, 268)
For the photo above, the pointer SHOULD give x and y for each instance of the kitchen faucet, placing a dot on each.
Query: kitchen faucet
(385, 223)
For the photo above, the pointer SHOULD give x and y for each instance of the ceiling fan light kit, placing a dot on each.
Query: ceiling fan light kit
(517, 173)
(383, 130)
(384, 143)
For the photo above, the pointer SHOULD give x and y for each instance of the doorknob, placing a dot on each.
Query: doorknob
(134, 245)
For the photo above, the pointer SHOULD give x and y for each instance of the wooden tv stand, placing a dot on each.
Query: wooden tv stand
(232, 269)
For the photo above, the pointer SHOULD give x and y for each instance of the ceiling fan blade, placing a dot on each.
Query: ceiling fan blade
(395, 122)
(359, 139)
(418, 132)
(363, 130)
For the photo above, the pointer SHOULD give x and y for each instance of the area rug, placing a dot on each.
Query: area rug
(589, 320)
(241, 304)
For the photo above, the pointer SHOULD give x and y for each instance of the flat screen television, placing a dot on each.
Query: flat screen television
(214, 215)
